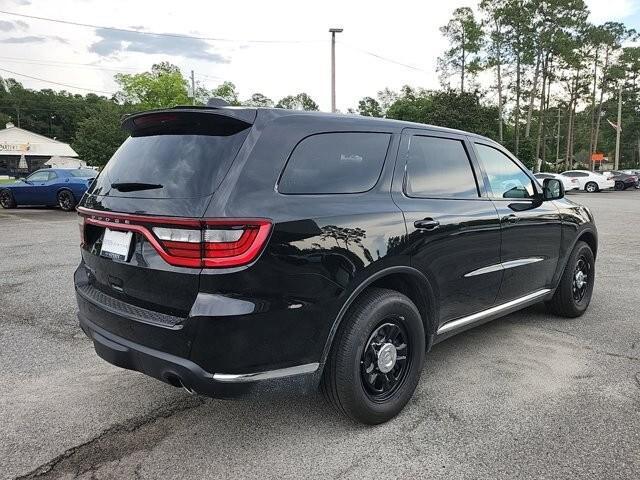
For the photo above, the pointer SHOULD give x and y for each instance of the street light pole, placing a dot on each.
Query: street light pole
(333, 32)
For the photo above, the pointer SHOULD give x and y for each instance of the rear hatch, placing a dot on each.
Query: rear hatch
(141, 220)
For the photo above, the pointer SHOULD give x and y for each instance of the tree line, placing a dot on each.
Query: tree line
(534, 75)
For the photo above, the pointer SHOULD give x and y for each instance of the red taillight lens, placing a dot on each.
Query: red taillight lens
(187, 242)
(81, 227)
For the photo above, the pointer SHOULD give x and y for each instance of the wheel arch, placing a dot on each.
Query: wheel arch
(590, 238)
(404, 279)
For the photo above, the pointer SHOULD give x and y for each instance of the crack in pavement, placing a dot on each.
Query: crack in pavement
(114, 443)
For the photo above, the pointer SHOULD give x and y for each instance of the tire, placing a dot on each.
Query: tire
(565, 301)
(376, 314)
(6, 199)
(66, 201)
(591, 187)
(619, 186)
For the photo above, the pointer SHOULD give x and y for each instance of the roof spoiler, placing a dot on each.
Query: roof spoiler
(230, 119)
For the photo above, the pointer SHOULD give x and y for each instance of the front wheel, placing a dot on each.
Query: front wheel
(6, 199)
(573, 295)
(376, 358)
(619, 186)
(591, 187)
(66, 200)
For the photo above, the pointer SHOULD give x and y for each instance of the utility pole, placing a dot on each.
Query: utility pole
(618, 128)
(193, 88)
(558, 139)
(333, 32)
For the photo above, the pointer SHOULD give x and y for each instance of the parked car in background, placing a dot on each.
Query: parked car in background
(296, 250)
(570, 183)
(633, 171)
(48, 186)
(591, 181)
(623, 180)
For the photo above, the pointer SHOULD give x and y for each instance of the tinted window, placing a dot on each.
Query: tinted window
(53, 175)
(439, 167)
(83, 173)
(335, 163)
(38, 177)
(185, 165)
(506, 179)
(541, 175)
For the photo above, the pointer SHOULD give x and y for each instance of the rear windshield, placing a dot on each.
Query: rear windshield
(179, 165)
(83, 173)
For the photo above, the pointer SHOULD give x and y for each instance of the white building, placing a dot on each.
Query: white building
(22, 151)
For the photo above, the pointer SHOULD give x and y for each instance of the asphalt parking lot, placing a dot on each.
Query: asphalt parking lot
(526, 396)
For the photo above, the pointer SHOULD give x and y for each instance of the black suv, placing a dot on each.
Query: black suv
(235, 250)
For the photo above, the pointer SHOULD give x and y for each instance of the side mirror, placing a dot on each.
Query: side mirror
(553, 189)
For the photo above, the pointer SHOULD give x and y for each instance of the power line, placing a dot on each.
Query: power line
(380, 57)
(55, 63)
(142, 32)
(55, 83)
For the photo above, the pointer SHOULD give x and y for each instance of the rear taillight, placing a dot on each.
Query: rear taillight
(186, 242)
(81, 227)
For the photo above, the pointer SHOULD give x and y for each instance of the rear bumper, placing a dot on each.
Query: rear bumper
(181, 372)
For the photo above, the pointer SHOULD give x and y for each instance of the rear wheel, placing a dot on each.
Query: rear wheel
(573, 295)
(6, 199)
(619, 186)
(376, 358)
(66, 200)
(591, 187)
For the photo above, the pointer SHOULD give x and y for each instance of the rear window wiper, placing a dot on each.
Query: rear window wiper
(133, 186)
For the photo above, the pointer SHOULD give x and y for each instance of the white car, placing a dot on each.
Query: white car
(591, 181)
(569, 183)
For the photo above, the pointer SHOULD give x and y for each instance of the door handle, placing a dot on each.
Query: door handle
(426, 224)
(511, 218)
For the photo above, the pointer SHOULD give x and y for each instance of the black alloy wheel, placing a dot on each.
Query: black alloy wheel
(376, 357)
(66, 200)
(581, 278)
(573, 293)
(6, 199)
(385, 360)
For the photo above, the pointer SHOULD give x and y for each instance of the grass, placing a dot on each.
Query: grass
(7, 180)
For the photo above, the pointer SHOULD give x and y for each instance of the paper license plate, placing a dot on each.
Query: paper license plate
(116, 244)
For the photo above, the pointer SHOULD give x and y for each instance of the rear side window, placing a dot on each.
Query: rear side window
(439, 167)
(83, 173)
(335, 163)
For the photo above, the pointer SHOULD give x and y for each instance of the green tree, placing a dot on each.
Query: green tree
(259, 100)
(100, 135)
(451, 109)
(227, 92)
(465, 38)
(164, 86)
(369, 107)
(301, 101)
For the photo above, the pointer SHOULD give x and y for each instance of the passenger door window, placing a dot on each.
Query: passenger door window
(38, 177)
(506, 179)
(439, 168)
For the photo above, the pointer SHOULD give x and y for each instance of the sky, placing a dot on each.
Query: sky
(277, 48)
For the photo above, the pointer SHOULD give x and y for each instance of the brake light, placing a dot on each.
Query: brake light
(196, 243)
(81, 227)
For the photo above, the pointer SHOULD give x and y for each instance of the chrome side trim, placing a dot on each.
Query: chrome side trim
(481, 271)
(268, 375)
(521, 261)
(493, 311)
(503, 266)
